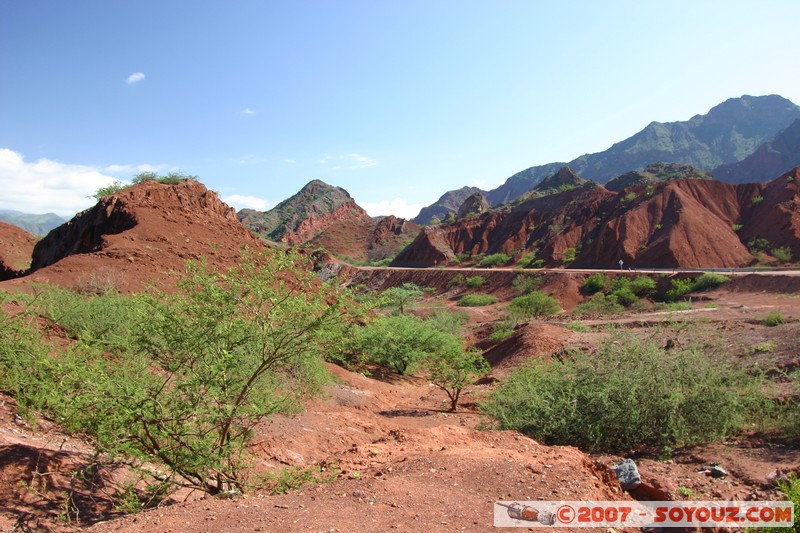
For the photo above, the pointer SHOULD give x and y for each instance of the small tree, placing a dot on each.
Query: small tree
(397, 341)
(533, 304)
(452, 369)
(400, 297)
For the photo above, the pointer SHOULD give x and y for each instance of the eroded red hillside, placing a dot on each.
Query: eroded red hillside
(681, 223)
(139, 237)
(16, 247)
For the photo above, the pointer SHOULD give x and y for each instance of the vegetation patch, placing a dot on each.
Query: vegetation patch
(494, 260)
(473, 282)
(476, 300)
(533, 304)
(628, 395)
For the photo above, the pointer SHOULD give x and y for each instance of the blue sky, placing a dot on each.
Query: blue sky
(396, 101)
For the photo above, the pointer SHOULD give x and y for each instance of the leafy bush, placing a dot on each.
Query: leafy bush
(455, 281)
(526, 260)
(452, 368)
(397, 341)
(526, 284)
(624, 295)
(473, 282)
(757, 199)
(200, 368)
(448, 321)
(791, 488)
(599, 304)
(782, 254)
(493, 260)
(173, 178)
(400, 297)
(709, 281)
(680, 288)
(533, 304)
(758, 245)
(596, 282)
(476, 300)
(569, 255)
(643, 286)
(578, 326)
(113, 188)
(737, 227)
(628, 395)
(774, 318)
(501, 332)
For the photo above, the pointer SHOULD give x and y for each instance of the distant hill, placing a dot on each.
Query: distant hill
(656, 172)
(444, 206)
(692, 223)
(770, 160)
(321, 215)
(728, 133)
(35, 224)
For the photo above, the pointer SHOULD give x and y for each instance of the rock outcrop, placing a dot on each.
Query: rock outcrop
(16, 248)
(473, 205)
(140, 236)
(687, 223)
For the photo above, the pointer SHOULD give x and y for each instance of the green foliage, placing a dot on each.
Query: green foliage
(115, 187)
(679, 289)
(533, 304)
(569, 255)
(673, 306)
(526, 260)
(599, 304)
(296, 477)
(578, 326)
(709, 281)
(643, 286)
(758, 245)
(400, 297)
(386, 261)
(173, 178)
(188, 379)
(737, 227)
(538, 263)
(473, 282)
(629, 197)
(493, 260)
(448, 321)
(451, 368)
(597, 282)
(476, 300)
(757, 199)
(526, 284)
(628, 395)
(398, 341)
(774, 318)
(624, 295)
(455, 281)
(501, 332)
(782, 254)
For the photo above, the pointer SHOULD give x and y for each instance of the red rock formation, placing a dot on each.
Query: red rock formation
(141, 236)
(680, 223)
(16, 247)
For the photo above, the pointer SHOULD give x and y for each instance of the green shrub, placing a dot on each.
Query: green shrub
(758, 245)
(737, 227)
(476, 300)
(782, 254)
(400, 297)
(455, 281)
(533, 304)
(578, 326)
(596, 282)
(643, 286)
(625, 296)
(452, 369)
(526, 260)
(569, 255)
(774, 318)
(679, 289)
(493, 260)
(448, 321)
(757, 199)
(473, 282)
(539, 263)
(599, 304)
(709, 281)
(526, 284)
(113, 188)
(501, 332)
(397, 341)
(791, 488)
(628, 395)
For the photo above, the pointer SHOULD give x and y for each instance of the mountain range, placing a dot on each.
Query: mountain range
(34, 224)
(727, 134)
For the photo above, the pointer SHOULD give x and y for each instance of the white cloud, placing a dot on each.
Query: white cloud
(239, 201)
(47, 186)
(397, 207)
(361, 161)
(289, 161)
(136, 77)
(247, 111)
(131, 169)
